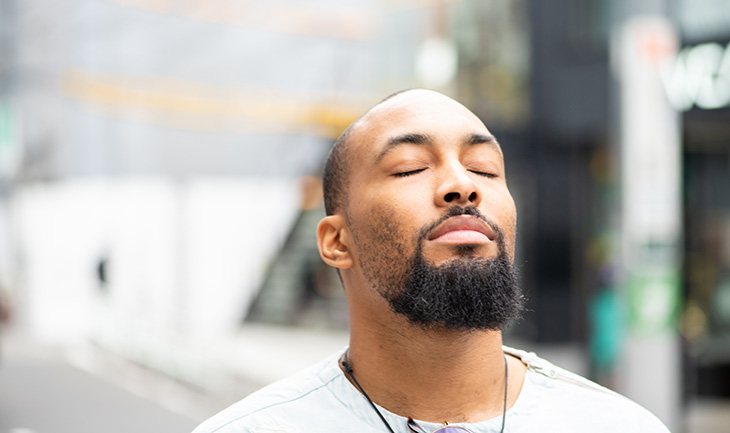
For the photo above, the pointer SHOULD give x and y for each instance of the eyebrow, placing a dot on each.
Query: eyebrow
(425, 139)
(474, 139)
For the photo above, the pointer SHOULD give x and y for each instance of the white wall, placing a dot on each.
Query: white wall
(184, 258)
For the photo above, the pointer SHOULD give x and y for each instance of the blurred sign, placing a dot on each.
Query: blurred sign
(650, 139)
(653, 300)
(699, 76)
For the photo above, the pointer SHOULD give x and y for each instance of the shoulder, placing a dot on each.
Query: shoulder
(281, 406)
(553, 393)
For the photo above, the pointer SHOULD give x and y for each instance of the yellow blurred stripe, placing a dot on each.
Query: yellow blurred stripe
(192, 105)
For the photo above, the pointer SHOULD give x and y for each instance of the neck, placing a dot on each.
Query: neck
(431, 375)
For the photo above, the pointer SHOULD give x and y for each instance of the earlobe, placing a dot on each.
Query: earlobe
(333, 241)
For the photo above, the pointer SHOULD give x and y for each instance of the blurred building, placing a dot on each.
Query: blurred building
(151, 155)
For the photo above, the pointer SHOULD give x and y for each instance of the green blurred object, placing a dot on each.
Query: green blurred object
(653, 300)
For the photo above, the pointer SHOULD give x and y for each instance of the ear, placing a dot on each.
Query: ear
(333, 242)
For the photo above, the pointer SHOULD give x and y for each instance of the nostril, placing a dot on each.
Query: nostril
(451, 197)
(472, 196)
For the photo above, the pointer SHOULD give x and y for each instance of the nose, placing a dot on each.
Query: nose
(458, 188)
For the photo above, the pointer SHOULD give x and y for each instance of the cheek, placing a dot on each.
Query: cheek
(501, 207)
(377, 231)
(510, 229)
(384, 209)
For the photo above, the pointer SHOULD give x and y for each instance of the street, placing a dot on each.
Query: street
(81, 387)
(46, 395)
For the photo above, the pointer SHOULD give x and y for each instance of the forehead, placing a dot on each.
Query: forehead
(414, 112)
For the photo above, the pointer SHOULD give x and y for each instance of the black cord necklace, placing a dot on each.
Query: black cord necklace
(349, 371)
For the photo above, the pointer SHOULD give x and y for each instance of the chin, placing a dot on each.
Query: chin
(468, 250)
(461, 251)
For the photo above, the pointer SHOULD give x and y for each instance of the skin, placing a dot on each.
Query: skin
(413, 157)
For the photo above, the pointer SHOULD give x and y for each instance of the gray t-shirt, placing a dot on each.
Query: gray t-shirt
(320, 399)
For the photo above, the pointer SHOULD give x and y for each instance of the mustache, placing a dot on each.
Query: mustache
(457, 211)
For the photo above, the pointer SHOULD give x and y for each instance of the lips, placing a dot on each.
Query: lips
(463, 229)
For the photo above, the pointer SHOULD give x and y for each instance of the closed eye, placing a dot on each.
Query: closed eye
(483, 173)
(408, 173)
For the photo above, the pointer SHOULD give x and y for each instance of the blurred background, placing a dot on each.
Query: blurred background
(159, 191)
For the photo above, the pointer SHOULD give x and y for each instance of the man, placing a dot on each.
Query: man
(421, 226)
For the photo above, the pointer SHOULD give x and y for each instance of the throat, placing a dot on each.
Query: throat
(458, 393)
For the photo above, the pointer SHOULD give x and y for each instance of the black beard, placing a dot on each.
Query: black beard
(467, 293)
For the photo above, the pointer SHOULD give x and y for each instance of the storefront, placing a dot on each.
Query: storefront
(698, 84)
(706, 318)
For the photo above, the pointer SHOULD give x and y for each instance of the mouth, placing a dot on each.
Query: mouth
(463, 229)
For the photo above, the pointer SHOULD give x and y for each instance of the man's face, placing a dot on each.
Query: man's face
(427, 191)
